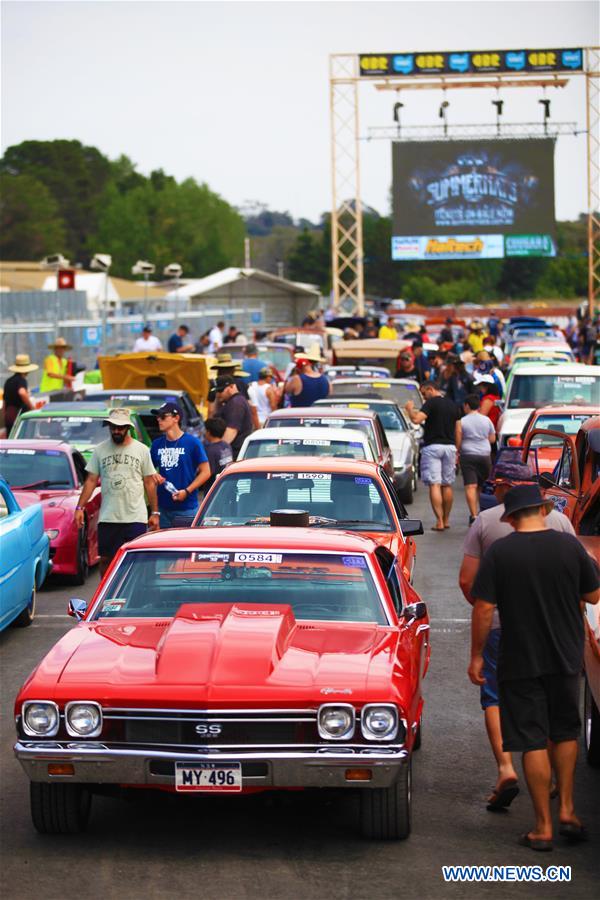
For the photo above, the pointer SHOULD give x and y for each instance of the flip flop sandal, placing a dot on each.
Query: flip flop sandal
(503, 798)
(433, 528)
(534, 843)
(573, 832)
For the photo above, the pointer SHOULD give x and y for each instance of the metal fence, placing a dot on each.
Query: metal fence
(30, 321)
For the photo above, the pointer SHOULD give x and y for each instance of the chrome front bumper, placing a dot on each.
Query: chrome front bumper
(306, 767)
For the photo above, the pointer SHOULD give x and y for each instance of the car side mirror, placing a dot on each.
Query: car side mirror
(546, 480)
(77, 608)
(415, 611)
(411, 527)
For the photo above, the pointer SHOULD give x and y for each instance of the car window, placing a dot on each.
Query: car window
(35, 468)
(355, 500)
(395, 590)
(540, 390)
(316, 421)
(324, 586)
(3, 506)
(82, 429)
(303, 447)
(563, 471)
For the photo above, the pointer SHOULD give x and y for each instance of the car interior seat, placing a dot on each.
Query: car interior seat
(351, 500)
(263, 497)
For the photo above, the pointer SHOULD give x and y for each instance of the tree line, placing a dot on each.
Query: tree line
(61, 196)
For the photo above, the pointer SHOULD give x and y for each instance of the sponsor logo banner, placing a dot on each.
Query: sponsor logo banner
(469, 62)
(482, 246)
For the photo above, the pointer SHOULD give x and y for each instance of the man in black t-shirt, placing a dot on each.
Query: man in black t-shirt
(235, 410)
(440, 419)
(537, 578)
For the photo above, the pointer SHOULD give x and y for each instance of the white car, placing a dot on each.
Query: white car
(348, 443)
(531, 385)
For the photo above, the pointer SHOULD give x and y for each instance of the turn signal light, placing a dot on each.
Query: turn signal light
(358, 774)
(61, 769)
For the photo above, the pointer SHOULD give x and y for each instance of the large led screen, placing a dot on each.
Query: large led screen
(473, 199)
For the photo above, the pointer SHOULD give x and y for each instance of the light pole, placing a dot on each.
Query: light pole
(145, 268)
(102, 262)
(174, 271)
(55, 262)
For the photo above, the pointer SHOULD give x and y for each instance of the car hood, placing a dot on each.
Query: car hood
(48, 499)
(219, 653)
(140, 371)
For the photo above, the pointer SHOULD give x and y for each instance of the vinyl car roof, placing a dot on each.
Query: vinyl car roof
(35, 444)
(334, 464)
(327, 412)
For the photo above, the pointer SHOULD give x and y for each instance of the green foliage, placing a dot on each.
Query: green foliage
(309, 259)
(31, 226)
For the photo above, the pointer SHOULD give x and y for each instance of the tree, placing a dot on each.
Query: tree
(30, 223)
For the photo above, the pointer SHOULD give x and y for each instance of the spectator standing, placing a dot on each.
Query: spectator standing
(388, 331)
(56, 373)
(182, 466)
(217, 450)
(16, 398)
(489, 393)
(148, 342)
(234, 409)
(202, 344)
(252, 364)
(455, 381)
(307, 385)
(446, 336)
(263, 395)
(476, 335)
(126, 469)
(537, 579)
(215, 337)
(439, 417)
(475, 439)
(421, 363)
(180, 342)
(406, 366)
(488, 528)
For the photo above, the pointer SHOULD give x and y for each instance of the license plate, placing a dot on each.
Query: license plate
(206, 776)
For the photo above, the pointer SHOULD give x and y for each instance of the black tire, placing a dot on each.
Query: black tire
(591, 727)
(27, 615)
(415, 478)
(418, 739)
(83, 562)
(405, 494)
(385, 813)
(59, 808)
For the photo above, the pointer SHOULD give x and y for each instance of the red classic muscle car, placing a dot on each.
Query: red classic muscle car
(52, 473)
(228, 660)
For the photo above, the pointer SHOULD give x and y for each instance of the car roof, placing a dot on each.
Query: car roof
(254, 539)
(564, 409)
(326, 412)
(333, 464)
(35, 444)
(360, 398)
(77, 408)
(327, 432)
(135, 392)
(537, 368)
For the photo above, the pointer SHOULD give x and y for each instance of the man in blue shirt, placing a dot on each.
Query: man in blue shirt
(182, 466)
(179, 342)
(252, 364)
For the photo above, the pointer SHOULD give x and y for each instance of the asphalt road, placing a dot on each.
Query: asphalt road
(297, 845)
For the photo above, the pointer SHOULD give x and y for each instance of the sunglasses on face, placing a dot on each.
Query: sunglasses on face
(165, 416)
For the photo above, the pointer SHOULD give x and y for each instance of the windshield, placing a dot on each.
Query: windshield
(35, 468)
(570, 423)
(355, 502)
(316, 421)
(390, 416)
(539, 390)
(325, 586)
(397, 393)
(303, 447)
(122, 398)
(72, 429)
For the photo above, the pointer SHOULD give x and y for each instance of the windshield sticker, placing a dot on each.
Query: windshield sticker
(355, 444)
(354, 562)
(358, 406)
(285, 476)
(317, 476)
(560, 503)
(258, 557)
(20, 452)
(308, 442)
(77, 419)
(381, 384)
(52, 453)
(576, 379)
(361, 480)
(324, 422)
(211, 557)
(114, 604)
(285, 441)
(211, 520)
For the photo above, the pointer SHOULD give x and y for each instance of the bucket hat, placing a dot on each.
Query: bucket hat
(524, 496)
(118, 416)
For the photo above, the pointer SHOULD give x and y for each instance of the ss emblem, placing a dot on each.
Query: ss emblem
(208, 730)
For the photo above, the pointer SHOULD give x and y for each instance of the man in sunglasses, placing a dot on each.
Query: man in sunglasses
(182, 465)
(125, 467)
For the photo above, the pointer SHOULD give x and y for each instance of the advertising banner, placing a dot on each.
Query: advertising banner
(469, 191)
(469, 62)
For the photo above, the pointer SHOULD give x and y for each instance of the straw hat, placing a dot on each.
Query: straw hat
(313, 354)
(23, 364)
(118, 416)
(60, 342)
(226, 361)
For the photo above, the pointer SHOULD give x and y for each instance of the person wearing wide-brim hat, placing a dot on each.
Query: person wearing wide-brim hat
(57, 373)
(16, 390)
(307, 384)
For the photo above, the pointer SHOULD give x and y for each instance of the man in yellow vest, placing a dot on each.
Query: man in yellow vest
(56, 367)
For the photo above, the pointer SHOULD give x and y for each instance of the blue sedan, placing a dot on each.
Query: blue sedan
(24, 558)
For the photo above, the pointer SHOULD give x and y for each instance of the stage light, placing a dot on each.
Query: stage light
(546, 104)
(442, 115)
(397, 107)
(499, 104)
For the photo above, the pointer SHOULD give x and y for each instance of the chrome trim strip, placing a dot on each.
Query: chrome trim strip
(216, 712)
(244, 749)
(192, 719)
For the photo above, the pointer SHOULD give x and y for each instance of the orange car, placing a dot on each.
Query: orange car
(574, 487)
(349, 494)
(558, 417)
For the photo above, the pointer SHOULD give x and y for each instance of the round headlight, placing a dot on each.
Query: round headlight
(336, 722)
(379, 723)
(40, 718)
(83, 719)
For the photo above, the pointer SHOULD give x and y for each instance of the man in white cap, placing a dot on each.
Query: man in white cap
(126, 469)
(56, 367)
(16, 391)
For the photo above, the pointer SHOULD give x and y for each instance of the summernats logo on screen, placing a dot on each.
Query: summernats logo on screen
(450, 187)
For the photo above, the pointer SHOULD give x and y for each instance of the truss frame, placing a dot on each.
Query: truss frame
(347, 252)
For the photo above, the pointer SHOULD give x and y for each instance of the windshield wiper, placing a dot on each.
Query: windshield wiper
(34, 484)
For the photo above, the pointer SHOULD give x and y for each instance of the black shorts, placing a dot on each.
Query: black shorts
(112, 535)
(475, 469)
(535, 710)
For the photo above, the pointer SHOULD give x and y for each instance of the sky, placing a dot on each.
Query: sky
(236, 94)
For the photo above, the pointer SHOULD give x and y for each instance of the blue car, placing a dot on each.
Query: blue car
(24, 558)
